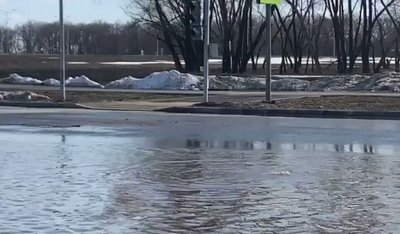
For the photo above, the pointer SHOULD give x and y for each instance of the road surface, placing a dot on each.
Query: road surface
(80, 171)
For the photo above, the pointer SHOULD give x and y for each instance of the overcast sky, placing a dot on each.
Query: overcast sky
(76, 11)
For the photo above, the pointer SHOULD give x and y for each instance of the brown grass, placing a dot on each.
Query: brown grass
(355, 103)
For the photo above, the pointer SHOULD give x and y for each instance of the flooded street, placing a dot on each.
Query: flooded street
(186, 174)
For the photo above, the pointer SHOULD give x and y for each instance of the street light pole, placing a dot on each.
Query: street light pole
(62, 52)
(206, 65)
(268, 53)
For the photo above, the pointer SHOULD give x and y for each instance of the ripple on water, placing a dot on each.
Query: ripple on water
(92, 184)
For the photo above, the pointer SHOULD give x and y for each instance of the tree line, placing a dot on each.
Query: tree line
(82, 39)
(303, 32)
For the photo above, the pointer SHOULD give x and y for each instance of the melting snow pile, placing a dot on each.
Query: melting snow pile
(82, 81)
(235, 83)
(170, 80)
(20, 80)
(124, 83)
(23, 96)
(339, 83)
(290, 85)
(51, 82)
(387, 81)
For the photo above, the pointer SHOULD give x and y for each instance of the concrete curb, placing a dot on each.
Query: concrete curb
(44, 105)
(287, 113)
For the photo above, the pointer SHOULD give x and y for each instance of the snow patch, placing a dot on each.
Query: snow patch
(23, 96)
(20, 80)
(82, 81)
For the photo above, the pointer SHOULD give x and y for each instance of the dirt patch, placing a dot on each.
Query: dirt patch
(354, 103)
(83, 97)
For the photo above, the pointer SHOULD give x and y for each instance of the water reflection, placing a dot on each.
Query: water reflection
(259, 145)
(254, 186)
(199, 184)
(348, 193)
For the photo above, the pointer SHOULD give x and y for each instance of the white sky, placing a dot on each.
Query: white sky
(76, 11)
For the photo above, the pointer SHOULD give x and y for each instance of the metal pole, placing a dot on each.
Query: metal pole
(62, 52)
(206, 67)
(68, 42)
(158, 47)
(268, 53)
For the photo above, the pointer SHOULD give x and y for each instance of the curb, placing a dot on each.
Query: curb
(44, 105)
(287, 113)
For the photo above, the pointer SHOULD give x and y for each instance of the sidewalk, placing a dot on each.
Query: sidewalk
(135, 105)
(333, 114)
(348, 106)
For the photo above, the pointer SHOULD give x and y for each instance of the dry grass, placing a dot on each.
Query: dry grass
(355, 103)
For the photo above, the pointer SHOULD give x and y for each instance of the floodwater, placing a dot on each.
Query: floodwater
(114, 180)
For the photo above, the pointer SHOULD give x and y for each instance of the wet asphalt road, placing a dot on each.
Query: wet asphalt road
(80, 171)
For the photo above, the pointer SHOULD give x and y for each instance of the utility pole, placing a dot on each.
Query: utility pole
(268, 53)
(206, 65)
(62, 52)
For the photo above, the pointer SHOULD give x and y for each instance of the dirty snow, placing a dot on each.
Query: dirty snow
(23, 96)
(386, 81)
(235, 83)
(82, 81)
(290, 85)
(20, 80)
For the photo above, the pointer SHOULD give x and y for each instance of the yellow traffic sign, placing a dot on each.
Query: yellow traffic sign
(270, 2)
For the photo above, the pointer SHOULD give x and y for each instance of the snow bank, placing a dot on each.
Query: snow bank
(79, 81)
(51, 82)
(20, 80)
(82, 81)
(174, 80)
(23, 96)
(168, 80)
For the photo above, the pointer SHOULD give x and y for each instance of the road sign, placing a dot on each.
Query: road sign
(270, 2)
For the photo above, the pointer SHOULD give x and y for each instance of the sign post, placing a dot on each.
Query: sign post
(62, 52)
(268, 53)
(268, 11)
(206, 65)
